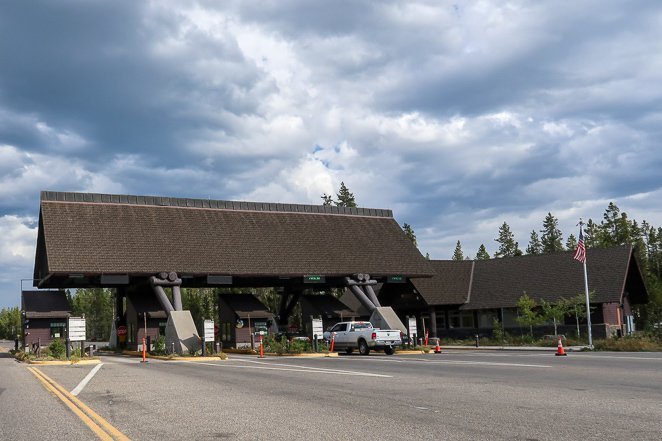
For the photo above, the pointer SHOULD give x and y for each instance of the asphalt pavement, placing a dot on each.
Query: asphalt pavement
(456, 395)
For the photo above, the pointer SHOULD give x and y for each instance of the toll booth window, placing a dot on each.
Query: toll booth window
(57, 330)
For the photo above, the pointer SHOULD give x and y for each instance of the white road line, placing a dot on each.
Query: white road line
(78, 389)
(294, 369)
(477, 363)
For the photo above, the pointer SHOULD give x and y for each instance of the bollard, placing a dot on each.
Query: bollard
(333, 341)
(476, 340)
(173, 348)
(16, 344)
(261, 348)
(218, 348)
(144, 360)
(91, 351)
(427, 334)
(314, 342)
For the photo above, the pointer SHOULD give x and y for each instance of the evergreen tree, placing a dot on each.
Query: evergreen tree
(571, 243)
(535, 247)
(409, 231)
(592, 237)
(508, 247)
(10, 323)
(458, 254)
(327, 199)
(97, 306)
(551, 238)
(482, 253)
(345, 197)
(615, 227)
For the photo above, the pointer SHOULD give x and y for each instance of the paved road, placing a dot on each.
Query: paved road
(454, 396)
(28, 411)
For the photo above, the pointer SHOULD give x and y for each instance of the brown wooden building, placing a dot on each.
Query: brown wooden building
(241, 315)
(464, 297)
(44, 316)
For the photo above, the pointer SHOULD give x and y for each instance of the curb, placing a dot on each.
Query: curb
(64, 362)
(166, 358)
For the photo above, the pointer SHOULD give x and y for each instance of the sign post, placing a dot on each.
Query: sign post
(75, 330)
(318, 332)
(412, 330)
(208, 335)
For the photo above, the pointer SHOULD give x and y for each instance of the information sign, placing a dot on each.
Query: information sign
(412, 327)
(209, 331)
(76, 328)
(318, 329)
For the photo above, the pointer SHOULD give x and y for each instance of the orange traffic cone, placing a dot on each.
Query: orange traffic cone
(560, 350)
(437, 349)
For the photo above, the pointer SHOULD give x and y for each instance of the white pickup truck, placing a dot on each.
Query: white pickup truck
(362, 336)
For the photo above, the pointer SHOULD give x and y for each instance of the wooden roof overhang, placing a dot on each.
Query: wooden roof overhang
(89, 239)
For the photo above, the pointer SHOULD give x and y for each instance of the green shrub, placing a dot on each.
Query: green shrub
(57, 348)
(640, 342)
(159, 346)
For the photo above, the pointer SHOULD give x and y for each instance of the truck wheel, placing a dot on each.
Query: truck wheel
(389, 350)
(363, 348)
(349, 350)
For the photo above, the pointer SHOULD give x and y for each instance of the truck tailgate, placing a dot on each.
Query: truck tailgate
(389, 337)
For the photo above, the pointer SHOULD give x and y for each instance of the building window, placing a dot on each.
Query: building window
(57, 330)
(441, 320)
(461, 319)
(486, 318)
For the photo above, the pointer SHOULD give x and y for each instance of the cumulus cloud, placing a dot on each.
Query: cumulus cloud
(456, 116)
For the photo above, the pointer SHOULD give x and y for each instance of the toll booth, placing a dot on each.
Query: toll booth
(44, 316)
(241, 315)
(324, 306)
(138, 307)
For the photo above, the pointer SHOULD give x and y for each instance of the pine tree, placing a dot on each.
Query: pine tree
(482, 253)
(508, 247)
(535, 247)
(409, 231)
(615, 227)
(327, 199)
(345, 197)
(458, 254)
(592, 237)
(571, 243)
(551, 239)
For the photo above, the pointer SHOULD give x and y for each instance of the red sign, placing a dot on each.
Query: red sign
(216, 329)
(121, 331)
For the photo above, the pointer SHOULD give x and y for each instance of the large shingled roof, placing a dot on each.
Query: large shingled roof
(122, 234)
(499, 283)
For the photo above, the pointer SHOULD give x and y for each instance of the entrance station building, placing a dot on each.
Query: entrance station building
(145, 245)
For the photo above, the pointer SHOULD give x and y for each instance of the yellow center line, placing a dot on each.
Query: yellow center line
(80, 409)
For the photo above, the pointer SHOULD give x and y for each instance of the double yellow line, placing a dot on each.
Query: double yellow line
(102, 428)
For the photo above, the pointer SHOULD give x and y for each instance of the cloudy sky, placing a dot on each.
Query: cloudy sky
(457, 115)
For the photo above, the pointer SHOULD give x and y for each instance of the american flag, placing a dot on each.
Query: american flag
(580, 253)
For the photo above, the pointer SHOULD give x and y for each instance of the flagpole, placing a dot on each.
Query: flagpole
(588, 308)
(588, 305)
